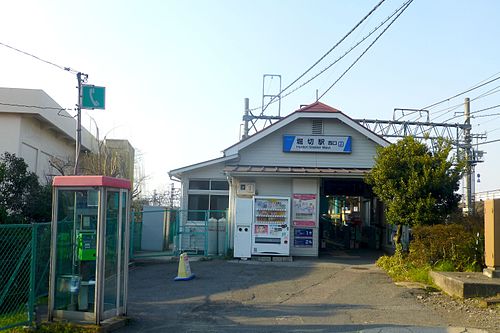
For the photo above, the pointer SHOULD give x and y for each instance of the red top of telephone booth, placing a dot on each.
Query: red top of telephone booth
(80, 181)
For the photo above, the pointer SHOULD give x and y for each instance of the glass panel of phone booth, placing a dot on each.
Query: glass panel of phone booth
(111, 250)
(123, 223)
(75, 263)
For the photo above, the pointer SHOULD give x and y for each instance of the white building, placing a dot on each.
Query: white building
(316, 152)
(33, 126)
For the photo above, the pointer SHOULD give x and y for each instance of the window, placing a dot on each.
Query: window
(218, 204)
(218, 185)
(204, 195)
(197, 202)
(199, 184)
(205, 185)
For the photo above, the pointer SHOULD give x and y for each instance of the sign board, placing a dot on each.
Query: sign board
(304, 210)
(303, 233)
(317, 144)
(93, 97)
(303, 242)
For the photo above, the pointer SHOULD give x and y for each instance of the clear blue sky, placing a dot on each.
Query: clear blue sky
(177, 72)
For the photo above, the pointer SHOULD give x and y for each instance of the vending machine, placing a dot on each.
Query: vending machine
(271, 226)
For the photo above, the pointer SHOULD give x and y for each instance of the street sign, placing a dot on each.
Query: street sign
(93, 97)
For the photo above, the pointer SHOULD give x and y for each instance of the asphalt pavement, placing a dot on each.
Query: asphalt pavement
(344, 292)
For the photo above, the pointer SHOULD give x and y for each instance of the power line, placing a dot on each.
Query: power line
(405, 6)
(454, 107)
(486, 109)
(459, 94)
(35, 106)
(488, 115)
(68, 69)
(486, 142)
(477, 111)
(342, 56)
(325, 55)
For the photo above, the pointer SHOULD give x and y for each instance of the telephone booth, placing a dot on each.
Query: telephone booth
(89, 257)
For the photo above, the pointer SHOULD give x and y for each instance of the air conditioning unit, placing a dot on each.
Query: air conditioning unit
(246, 189)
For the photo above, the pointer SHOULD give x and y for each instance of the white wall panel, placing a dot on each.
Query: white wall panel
(269, 150)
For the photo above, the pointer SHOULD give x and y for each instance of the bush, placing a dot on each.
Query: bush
(400, 269)
(449, 247)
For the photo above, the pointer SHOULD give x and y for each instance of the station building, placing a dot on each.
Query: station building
(316, 156)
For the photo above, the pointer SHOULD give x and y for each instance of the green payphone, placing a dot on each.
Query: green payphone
(86, 242)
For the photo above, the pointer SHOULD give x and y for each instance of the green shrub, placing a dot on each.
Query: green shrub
(399, 268)
(444, 266)
(449, 247)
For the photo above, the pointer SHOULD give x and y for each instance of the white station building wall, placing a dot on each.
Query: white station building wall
(268, 151)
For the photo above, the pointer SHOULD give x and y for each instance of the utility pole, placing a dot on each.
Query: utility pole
(468, 159)
(172, 195)
(246, 119)
(81, 78)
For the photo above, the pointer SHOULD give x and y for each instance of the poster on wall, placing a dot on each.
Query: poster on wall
(304, 210)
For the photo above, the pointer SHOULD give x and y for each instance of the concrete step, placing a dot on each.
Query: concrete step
(466, 284)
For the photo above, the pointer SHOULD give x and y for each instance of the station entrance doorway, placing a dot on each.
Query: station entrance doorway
(350, 215)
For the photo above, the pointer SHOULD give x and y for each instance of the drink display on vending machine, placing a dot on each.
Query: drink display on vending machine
(271, 226)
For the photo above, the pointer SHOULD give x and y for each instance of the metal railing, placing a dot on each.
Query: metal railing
(197, 232)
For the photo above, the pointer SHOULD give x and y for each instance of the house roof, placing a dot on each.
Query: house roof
(177, 172)
(317, 107)
(314, 110)
(247, 170)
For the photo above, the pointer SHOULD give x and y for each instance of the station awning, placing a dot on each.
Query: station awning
(246, 170)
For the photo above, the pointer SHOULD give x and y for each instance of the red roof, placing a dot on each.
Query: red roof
(317, 107)
(87, 181)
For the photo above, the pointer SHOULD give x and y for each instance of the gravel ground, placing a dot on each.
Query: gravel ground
(467, 310)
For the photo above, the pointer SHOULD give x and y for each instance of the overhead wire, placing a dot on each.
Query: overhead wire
(401, 11)
(456, 106)
(345, 54)
(477, 111)
(487, 115)
(486, 142)
(486, 109)
(68, 69)
(35, 106)
(324, 55)
(461, 93)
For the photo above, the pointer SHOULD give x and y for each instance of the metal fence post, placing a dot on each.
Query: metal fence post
(132, 235)
(31, 302)
(206, 233)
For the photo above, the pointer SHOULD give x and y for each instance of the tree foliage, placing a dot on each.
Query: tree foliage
(416, 185)
(22, 198)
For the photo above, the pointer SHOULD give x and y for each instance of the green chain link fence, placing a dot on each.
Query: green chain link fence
(24, 271)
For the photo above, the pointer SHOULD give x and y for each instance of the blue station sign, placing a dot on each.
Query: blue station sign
(317, 144)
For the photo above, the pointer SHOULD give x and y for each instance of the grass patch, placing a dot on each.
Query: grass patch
(444, 266)
(399, 269)
(13, 319)
(63, 327)
(56, 327)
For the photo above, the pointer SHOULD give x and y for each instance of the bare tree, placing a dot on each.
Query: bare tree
(167, 198)
(65, 166)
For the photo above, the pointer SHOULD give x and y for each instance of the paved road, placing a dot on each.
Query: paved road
(342, 294)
